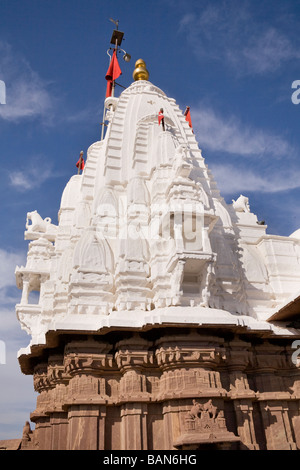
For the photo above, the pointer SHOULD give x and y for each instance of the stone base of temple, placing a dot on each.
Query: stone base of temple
(164, 389)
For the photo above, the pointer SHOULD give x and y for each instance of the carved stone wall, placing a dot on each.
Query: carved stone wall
(166, 389)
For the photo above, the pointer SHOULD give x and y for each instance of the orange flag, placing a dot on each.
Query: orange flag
(187, 115)
(82, 164)
(113, 72)
(160, 116)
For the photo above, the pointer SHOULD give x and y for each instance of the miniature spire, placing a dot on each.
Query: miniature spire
(140, 72)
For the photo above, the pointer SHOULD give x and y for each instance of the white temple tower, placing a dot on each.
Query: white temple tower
(164, 314)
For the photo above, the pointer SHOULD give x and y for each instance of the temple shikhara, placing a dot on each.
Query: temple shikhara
(167, 318)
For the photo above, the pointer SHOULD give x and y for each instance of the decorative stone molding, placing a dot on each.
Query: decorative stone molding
(206, 390)
(87, 356)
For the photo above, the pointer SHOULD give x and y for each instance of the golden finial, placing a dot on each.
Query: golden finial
(140, 72)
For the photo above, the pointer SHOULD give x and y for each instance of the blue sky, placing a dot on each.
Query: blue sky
(232, 62)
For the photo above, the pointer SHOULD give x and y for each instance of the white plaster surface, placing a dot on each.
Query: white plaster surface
(144, 237)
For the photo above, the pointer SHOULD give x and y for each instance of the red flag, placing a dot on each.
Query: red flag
(187, 114)
(82, 164)
(160, 116)
(113, 72)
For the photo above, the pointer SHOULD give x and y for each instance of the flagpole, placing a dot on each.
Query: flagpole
(103, 117)
(116, 40)
(103, 123)
(80, 161)
(112, 94)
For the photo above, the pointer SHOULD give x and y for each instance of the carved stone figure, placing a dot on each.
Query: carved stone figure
(181, 164)
(38, 224)
(210, 409)
(200, 411)
(241, 204)
(196, 410)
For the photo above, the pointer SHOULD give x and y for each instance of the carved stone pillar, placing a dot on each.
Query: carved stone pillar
(43, 279)
(277, 426)
(59, 431)
(86, 362)
(171, 423)
(101, 427)
(245, 425)
(41, 416)
(42, 432)
(273, 398)
(239, 358)
(189, 365)
(134, 426)
(83, 427)
(57, 380)
(133, 357)
(189, 370)
(25, 291)
(293, 382)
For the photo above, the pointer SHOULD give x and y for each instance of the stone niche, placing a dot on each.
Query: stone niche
(164, 389)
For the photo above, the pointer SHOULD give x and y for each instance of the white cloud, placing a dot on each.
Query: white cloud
(27, 94)
(84, 115)
(29, 180)
(17, 397)
(9, 294)
(8, 263)
(234, 34)
(231, 179)
(228, 134)
(268, 50)
(31, 176)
